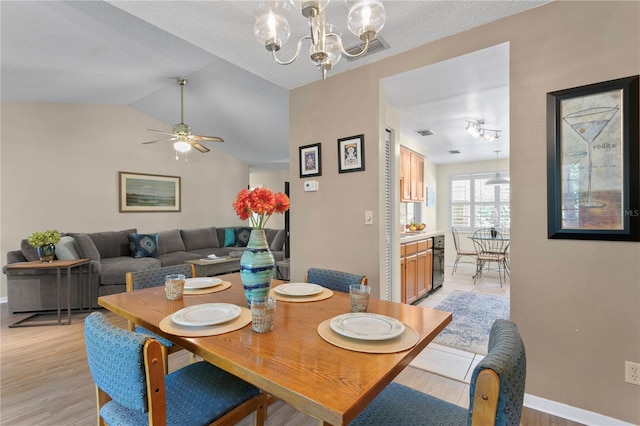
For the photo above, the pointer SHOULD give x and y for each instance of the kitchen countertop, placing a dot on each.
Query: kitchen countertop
(410, 237)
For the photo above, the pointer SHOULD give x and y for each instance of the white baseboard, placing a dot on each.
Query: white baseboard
(570, 413)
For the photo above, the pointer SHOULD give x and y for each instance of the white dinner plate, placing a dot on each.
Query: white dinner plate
(203, 282)
(206, 314)
(366, 326)
(298, 289)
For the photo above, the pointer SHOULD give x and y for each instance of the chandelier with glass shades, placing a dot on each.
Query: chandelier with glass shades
(477, 129)
(365, 19)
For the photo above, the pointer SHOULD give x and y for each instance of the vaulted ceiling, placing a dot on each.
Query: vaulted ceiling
(131, 52)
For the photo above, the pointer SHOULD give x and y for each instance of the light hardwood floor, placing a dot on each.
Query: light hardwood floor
(45, 379)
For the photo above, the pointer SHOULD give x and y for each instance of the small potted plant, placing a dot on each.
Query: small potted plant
(45, 242)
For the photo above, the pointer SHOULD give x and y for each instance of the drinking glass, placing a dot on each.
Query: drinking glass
(174, 286)
(359, 295)
(263, 313)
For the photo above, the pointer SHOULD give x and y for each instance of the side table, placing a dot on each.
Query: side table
(58, 265)
(282, 270)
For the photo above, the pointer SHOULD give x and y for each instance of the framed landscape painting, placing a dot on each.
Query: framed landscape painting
(149, 193)
(593, 178)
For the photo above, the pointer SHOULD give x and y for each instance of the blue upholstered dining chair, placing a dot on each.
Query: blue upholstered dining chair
(334, 280)
(496, 391)
(132, 388)
(155, 278)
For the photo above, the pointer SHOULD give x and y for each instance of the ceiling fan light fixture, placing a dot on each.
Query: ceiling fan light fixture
(182, 146)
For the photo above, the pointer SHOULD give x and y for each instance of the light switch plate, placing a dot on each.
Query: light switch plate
(368, 217)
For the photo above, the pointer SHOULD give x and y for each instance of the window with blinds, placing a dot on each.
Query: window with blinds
(475, 205)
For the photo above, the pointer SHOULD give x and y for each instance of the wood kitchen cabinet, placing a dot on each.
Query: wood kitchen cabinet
(416, 268)
(411, 176)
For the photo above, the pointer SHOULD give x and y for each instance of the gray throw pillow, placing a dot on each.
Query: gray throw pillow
(29, 253)
(279, 240)
(170, 241)
(65, 249)
(202, 238)
(86, 248)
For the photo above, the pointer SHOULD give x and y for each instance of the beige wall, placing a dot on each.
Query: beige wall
(60, 165)
(274, 181)
(327, 226)
(576, 303)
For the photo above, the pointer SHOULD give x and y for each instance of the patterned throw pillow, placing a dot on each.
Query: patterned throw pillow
(242, 236)
(143, 245)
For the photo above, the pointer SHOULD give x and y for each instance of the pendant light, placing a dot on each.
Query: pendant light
(497, 179)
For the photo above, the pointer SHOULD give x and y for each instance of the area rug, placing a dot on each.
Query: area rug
(473, 315)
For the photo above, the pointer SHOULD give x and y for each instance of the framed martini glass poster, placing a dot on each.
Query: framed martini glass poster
(592, 162)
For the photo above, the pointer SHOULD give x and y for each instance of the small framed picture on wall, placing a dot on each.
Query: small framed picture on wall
(351, 154)
(310, 160)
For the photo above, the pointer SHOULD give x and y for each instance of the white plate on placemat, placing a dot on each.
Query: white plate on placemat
(206, 314)
(203, 282)
(366, 326)
(298, 289)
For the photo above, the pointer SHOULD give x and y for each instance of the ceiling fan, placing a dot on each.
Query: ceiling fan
(181, 135)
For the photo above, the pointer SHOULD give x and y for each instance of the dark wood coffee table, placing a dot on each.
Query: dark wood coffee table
(209, 268)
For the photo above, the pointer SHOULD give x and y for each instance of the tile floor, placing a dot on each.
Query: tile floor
(450, 362)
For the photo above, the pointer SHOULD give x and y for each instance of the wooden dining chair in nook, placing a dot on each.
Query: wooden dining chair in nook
(155, 278)
(459, 252)
(334, 280)
(496, 391)
(132, 388)
(490, 246)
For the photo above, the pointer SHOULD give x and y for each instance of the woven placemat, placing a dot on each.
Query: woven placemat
(325, 294)
(406, 340)
(222, 286)
(170, 327)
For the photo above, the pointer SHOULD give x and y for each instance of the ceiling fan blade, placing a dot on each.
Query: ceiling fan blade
(207, 138)
(160, 140)
(160, 131)
(200, 147)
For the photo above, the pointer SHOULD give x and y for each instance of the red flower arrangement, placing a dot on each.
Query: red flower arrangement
(259, 204)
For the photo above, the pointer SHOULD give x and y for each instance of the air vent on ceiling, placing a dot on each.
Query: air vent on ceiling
(425, 132)
(455, 151)
(376, 45)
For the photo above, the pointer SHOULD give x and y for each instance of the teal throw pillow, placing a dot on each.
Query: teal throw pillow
(242, 236)
(229, 237)
(143, 245)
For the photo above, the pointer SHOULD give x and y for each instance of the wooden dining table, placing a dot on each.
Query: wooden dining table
(292, 362)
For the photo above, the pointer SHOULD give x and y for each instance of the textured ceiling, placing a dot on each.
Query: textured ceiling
(130, 52)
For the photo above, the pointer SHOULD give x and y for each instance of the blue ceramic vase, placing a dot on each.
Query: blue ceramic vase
(46, 253)
(256, 267)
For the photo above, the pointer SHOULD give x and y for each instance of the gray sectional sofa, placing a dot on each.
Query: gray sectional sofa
(112, 257)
